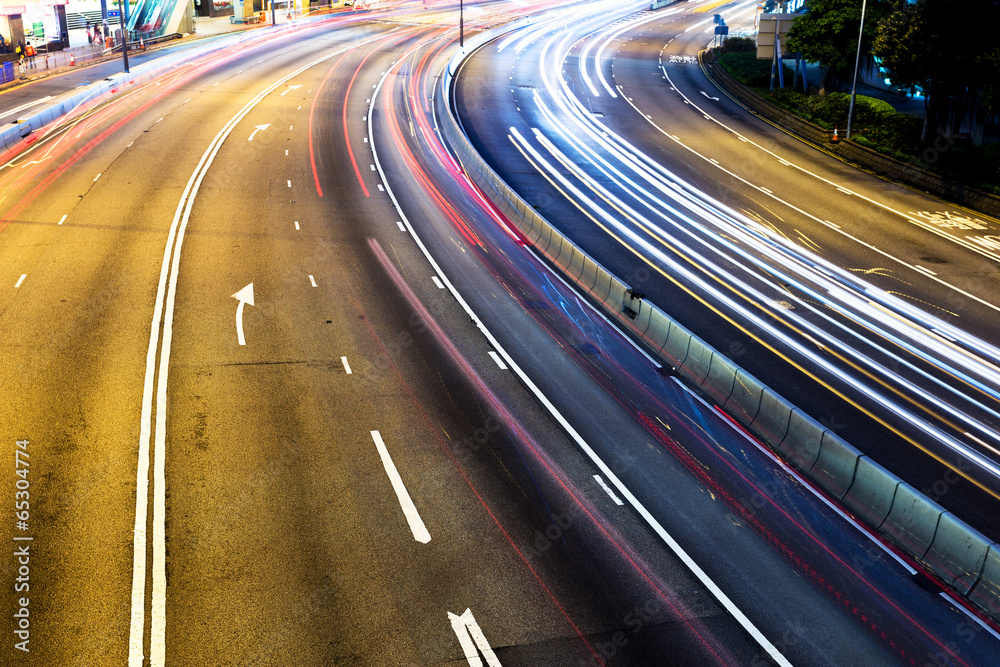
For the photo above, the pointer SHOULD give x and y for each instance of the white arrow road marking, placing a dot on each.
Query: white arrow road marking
(289, 89)
(417, 526)
(471, 636)
(709, 96)
(163, 317)
(245, 296)
(258, 128)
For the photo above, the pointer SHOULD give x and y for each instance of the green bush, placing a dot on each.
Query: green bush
(739, 45)
(745, 68)
(875, 125)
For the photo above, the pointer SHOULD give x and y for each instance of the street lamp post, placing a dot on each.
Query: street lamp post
(461, 24)
(857, 60)
(121, 26)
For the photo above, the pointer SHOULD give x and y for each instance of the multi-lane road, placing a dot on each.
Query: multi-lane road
(280, 388)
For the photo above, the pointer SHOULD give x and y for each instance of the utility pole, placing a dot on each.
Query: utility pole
(857, 60)
(121, 26)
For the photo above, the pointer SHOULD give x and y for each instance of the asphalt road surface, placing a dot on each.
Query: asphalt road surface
(279, 389)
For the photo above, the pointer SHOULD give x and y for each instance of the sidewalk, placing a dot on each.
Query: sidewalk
(82, 52)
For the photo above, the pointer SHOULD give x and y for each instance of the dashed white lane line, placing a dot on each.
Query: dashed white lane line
(498, 360)
(286, 151)
(924, 270)
(402, 227)
(380, 188)
(296, 224)
(290, 127)
(417, 526)
(20, 280)
(372, 166)
(289, 184)
(347, 366)
(312, 280)
(63, 219)
(607, 489)
(437, 281)
(97, 177)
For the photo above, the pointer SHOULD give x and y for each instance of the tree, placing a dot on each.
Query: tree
(934, 45)
(828, 34)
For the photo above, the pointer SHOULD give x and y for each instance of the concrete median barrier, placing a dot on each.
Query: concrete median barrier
(602, 286)
(575, 268)
(744, 402)
(616, 296)
(643, 313)
(658, 330)
(589, 275)
(675, 350)
(912, 520)
(958, 553)
(870, 496)
(986, 592)
(836, 465)
(721, 379)
(698, 361)
(771, 422)
(801, 443)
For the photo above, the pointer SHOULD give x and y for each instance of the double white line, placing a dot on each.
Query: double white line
(163, 315)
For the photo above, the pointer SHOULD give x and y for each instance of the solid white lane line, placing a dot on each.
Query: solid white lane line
(498, 360)
(347, 366)
(25, 106)
(437, 281)
(163, 314)
(471, 637)
(312, 281)
(417, 527)
(20, 280)
(607, 489)
(650, 520)
(63, 219)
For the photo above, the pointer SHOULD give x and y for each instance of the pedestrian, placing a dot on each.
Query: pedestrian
(3, 44)
(19, 49)
(90, 35)
(29, 51)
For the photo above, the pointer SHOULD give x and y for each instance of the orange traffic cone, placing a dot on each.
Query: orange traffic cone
(834, 138)
(72, 58)
(142, 45)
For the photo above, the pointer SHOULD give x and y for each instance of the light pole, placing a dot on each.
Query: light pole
(461, 24)
(857, 60)
(121, 26)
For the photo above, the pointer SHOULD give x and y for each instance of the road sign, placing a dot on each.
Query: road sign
(114, 13)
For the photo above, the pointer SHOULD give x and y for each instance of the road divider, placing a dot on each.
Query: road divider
(955, 552)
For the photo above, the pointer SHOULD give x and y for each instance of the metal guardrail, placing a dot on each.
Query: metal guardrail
(959, 555)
